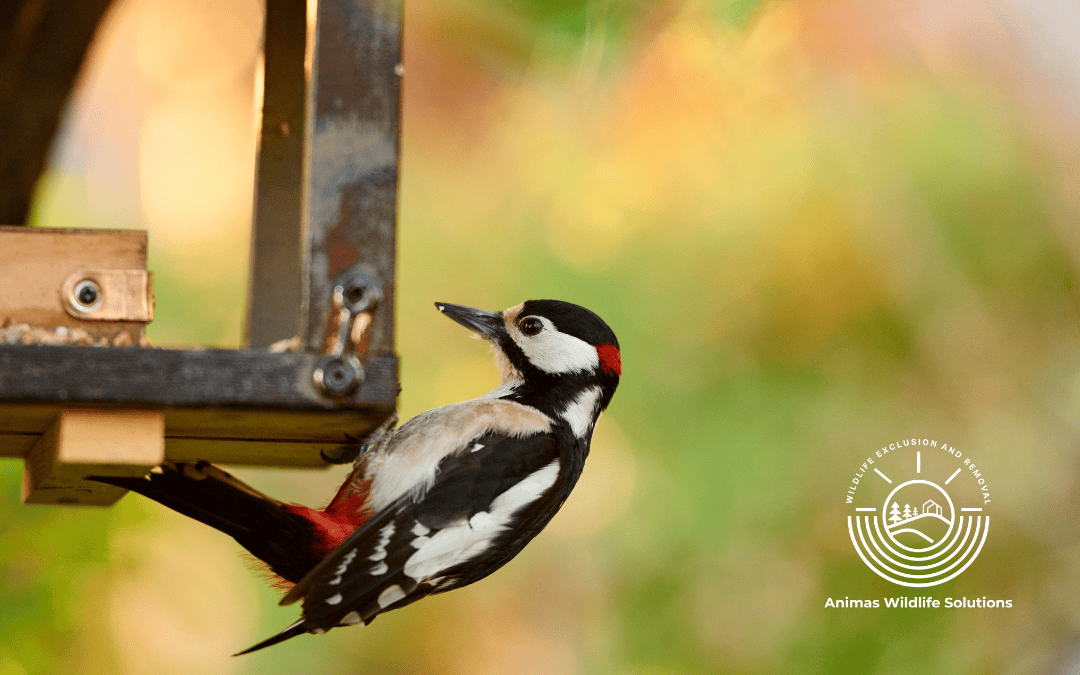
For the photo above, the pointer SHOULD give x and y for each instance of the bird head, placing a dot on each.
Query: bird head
(547, 350)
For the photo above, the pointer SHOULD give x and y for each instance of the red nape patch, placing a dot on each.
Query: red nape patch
(610, 359)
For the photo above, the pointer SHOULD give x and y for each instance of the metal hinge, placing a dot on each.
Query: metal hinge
(356, 294)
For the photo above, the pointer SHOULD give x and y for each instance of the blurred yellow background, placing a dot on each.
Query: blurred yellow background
(815, 226)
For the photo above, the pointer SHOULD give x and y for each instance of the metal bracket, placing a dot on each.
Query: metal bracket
(109, 295)
(355, 295)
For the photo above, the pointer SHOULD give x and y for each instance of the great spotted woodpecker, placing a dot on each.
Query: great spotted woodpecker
(440, 502)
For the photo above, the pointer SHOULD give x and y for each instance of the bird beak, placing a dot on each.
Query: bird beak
(488, 324)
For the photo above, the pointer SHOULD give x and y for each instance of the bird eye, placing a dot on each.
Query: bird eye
(531, 326)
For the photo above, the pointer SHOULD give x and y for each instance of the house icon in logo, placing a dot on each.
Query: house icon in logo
(931, 507)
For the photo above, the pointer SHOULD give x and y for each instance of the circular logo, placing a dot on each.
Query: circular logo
(919, 512)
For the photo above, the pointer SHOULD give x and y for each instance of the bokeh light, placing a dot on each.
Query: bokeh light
(816, 226)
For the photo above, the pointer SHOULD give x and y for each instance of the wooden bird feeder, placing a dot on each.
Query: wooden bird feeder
(81, 391)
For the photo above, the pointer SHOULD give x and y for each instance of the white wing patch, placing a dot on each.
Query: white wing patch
(384, 539)
(342, 567)
(391, 595)
(467, 539)
(350, 619)
(554, 352)
(581, 412)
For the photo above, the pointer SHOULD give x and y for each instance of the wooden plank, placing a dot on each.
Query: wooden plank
(87, 442)
(26, 419)
(295, 453)
(221, 435)
(298, 454)
(17, 444)
(246, 407)
(239, 452)
(254, 452)
(217, 378)
(274, 309)
(37, 262)
(215, 423)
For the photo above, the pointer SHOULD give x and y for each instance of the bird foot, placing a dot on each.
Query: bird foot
(356, 450)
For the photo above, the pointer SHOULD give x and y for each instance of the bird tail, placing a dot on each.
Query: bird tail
(290, 632)
(266, 527)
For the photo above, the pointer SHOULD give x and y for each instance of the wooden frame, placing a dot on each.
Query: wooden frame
(325, 210)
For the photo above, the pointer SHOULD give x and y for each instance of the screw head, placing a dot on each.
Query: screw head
(354, 294)
(357, 290)
(337, 376)
(87, 294)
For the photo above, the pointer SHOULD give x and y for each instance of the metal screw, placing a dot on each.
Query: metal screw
(359, 291)
(338, 376)
(87, 294)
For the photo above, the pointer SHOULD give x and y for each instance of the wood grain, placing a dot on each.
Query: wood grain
(87, 442)
(36, 262)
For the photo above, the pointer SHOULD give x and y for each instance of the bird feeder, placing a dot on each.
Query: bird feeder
(82, 392)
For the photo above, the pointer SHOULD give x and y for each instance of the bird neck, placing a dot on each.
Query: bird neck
(573, 401)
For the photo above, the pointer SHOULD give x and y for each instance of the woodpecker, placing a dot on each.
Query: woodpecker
(443, 500)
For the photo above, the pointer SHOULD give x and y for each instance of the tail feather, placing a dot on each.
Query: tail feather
(263, 525)
(290, 632)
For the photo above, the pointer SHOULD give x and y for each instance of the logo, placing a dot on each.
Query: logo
(918, 514)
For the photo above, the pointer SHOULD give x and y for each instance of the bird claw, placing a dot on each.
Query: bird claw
(343, 454)
(355, 450)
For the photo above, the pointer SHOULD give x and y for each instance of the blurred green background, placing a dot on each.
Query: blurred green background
(817, 227)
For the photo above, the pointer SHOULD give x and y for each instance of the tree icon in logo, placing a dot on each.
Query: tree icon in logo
(896, 518)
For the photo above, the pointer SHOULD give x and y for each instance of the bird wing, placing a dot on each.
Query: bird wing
(416, 546)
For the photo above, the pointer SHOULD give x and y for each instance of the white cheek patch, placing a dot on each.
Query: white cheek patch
(555, 352)
(465, 540)
(581, 413)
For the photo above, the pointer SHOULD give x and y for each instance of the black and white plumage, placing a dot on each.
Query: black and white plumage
(454, 493)
(459, 490)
